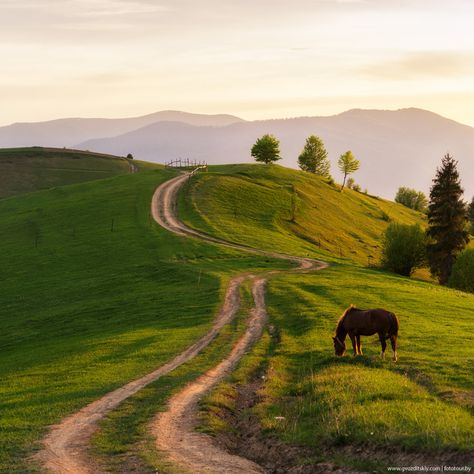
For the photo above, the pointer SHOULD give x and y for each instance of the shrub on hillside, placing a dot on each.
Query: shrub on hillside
(403, 248)
(412, 198)
(462, 275)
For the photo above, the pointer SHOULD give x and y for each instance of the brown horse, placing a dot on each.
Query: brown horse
(358, 322)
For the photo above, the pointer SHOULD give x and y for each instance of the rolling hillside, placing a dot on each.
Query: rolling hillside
(24, 170)
(260, 198)
(95, 294)
(364, 406)
(363, 413)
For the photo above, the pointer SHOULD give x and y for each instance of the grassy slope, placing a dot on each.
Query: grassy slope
(251, 204)
(24, 170)
(422, 402)
(85, 309)
(124, 441)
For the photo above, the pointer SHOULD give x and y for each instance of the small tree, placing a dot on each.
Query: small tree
(462, 275)
(314, 157)
(347, 164)
(266, 149)
(403, 248)
(411, 198)
(447, 220)
(129, 156)
(350, 183)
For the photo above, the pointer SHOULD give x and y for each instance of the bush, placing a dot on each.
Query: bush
(462, 274)
(412, 198)
(403, 248)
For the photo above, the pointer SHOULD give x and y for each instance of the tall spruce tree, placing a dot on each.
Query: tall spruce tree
(447, 220)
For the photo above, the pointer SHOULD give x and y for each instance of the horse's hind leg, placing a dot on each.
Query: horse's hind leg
(359, 345)
(393, 340)
(354, 342)
(383, 343)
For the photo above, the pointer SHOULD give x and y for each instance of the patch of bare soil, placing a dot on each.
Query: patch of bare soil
(245, 438)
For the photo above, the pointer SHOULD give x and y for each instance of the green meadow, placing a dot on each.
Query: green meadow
(24, 170)
(280, 209)
(95, 294)
(423, 403)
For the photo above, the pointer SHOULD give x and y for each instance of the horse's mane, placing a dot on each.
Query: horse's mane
(344, 314)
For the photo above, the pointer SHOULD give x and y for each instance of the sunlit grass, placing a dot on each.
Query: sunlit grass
(252, 204)
(94, 294)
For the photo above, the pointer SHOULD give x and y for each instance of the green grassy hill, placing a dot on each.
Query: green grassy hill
(24, 170)
(253, 205)
(422, 404)
(94, 294)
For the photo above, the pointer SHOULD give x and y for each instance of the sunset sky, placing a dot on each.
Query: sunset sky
(252, 58)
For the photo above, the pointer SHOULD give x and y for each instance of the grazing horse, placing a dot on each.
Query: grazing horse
(358, 322)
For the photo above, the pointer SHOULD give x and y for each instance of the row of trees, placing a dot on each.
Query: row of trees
(313, 158)
(408, 247)
(405, 247)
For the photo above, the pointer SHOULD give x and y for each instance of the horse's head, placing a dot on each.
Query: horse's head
(339, 346)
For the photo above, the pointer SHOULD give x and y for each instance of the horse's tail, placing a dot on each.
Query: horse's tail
(394, 325)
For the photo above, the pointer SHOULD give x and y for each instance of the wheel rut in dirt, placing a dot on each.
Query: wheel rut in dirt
(66, 446)
(173, 429)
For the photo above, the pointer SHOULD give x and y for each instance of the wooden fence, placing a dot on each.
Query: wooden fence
(186, 163)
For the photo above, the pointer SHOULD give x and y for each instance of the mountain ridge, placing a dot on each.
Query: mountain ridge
(396, 148)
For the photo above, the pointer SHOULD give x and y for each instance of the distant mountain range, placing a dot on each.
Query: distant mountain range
(396, 148)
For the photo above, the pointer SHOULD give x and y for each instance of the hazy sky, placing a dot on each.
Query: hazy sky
(253, 58)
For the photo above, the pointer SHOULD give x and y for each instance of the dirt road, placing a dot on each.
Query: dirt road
(65, 448)
(173, 429)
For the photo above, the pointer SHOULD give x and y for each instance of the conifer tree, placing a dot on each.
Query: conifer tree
(447, 220)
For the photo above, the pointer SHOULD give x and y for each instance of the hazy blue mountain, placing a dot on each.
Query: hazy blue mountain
(70, 131)
(396, 148)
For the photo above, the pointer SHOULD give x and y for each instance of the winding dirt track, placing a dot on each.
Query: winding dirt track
(65, 448)
(174, 429)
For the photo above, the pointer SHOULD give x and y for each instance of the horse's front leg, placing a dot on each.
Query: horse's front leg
(359, 345)
(354, 342)
(384, 344)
